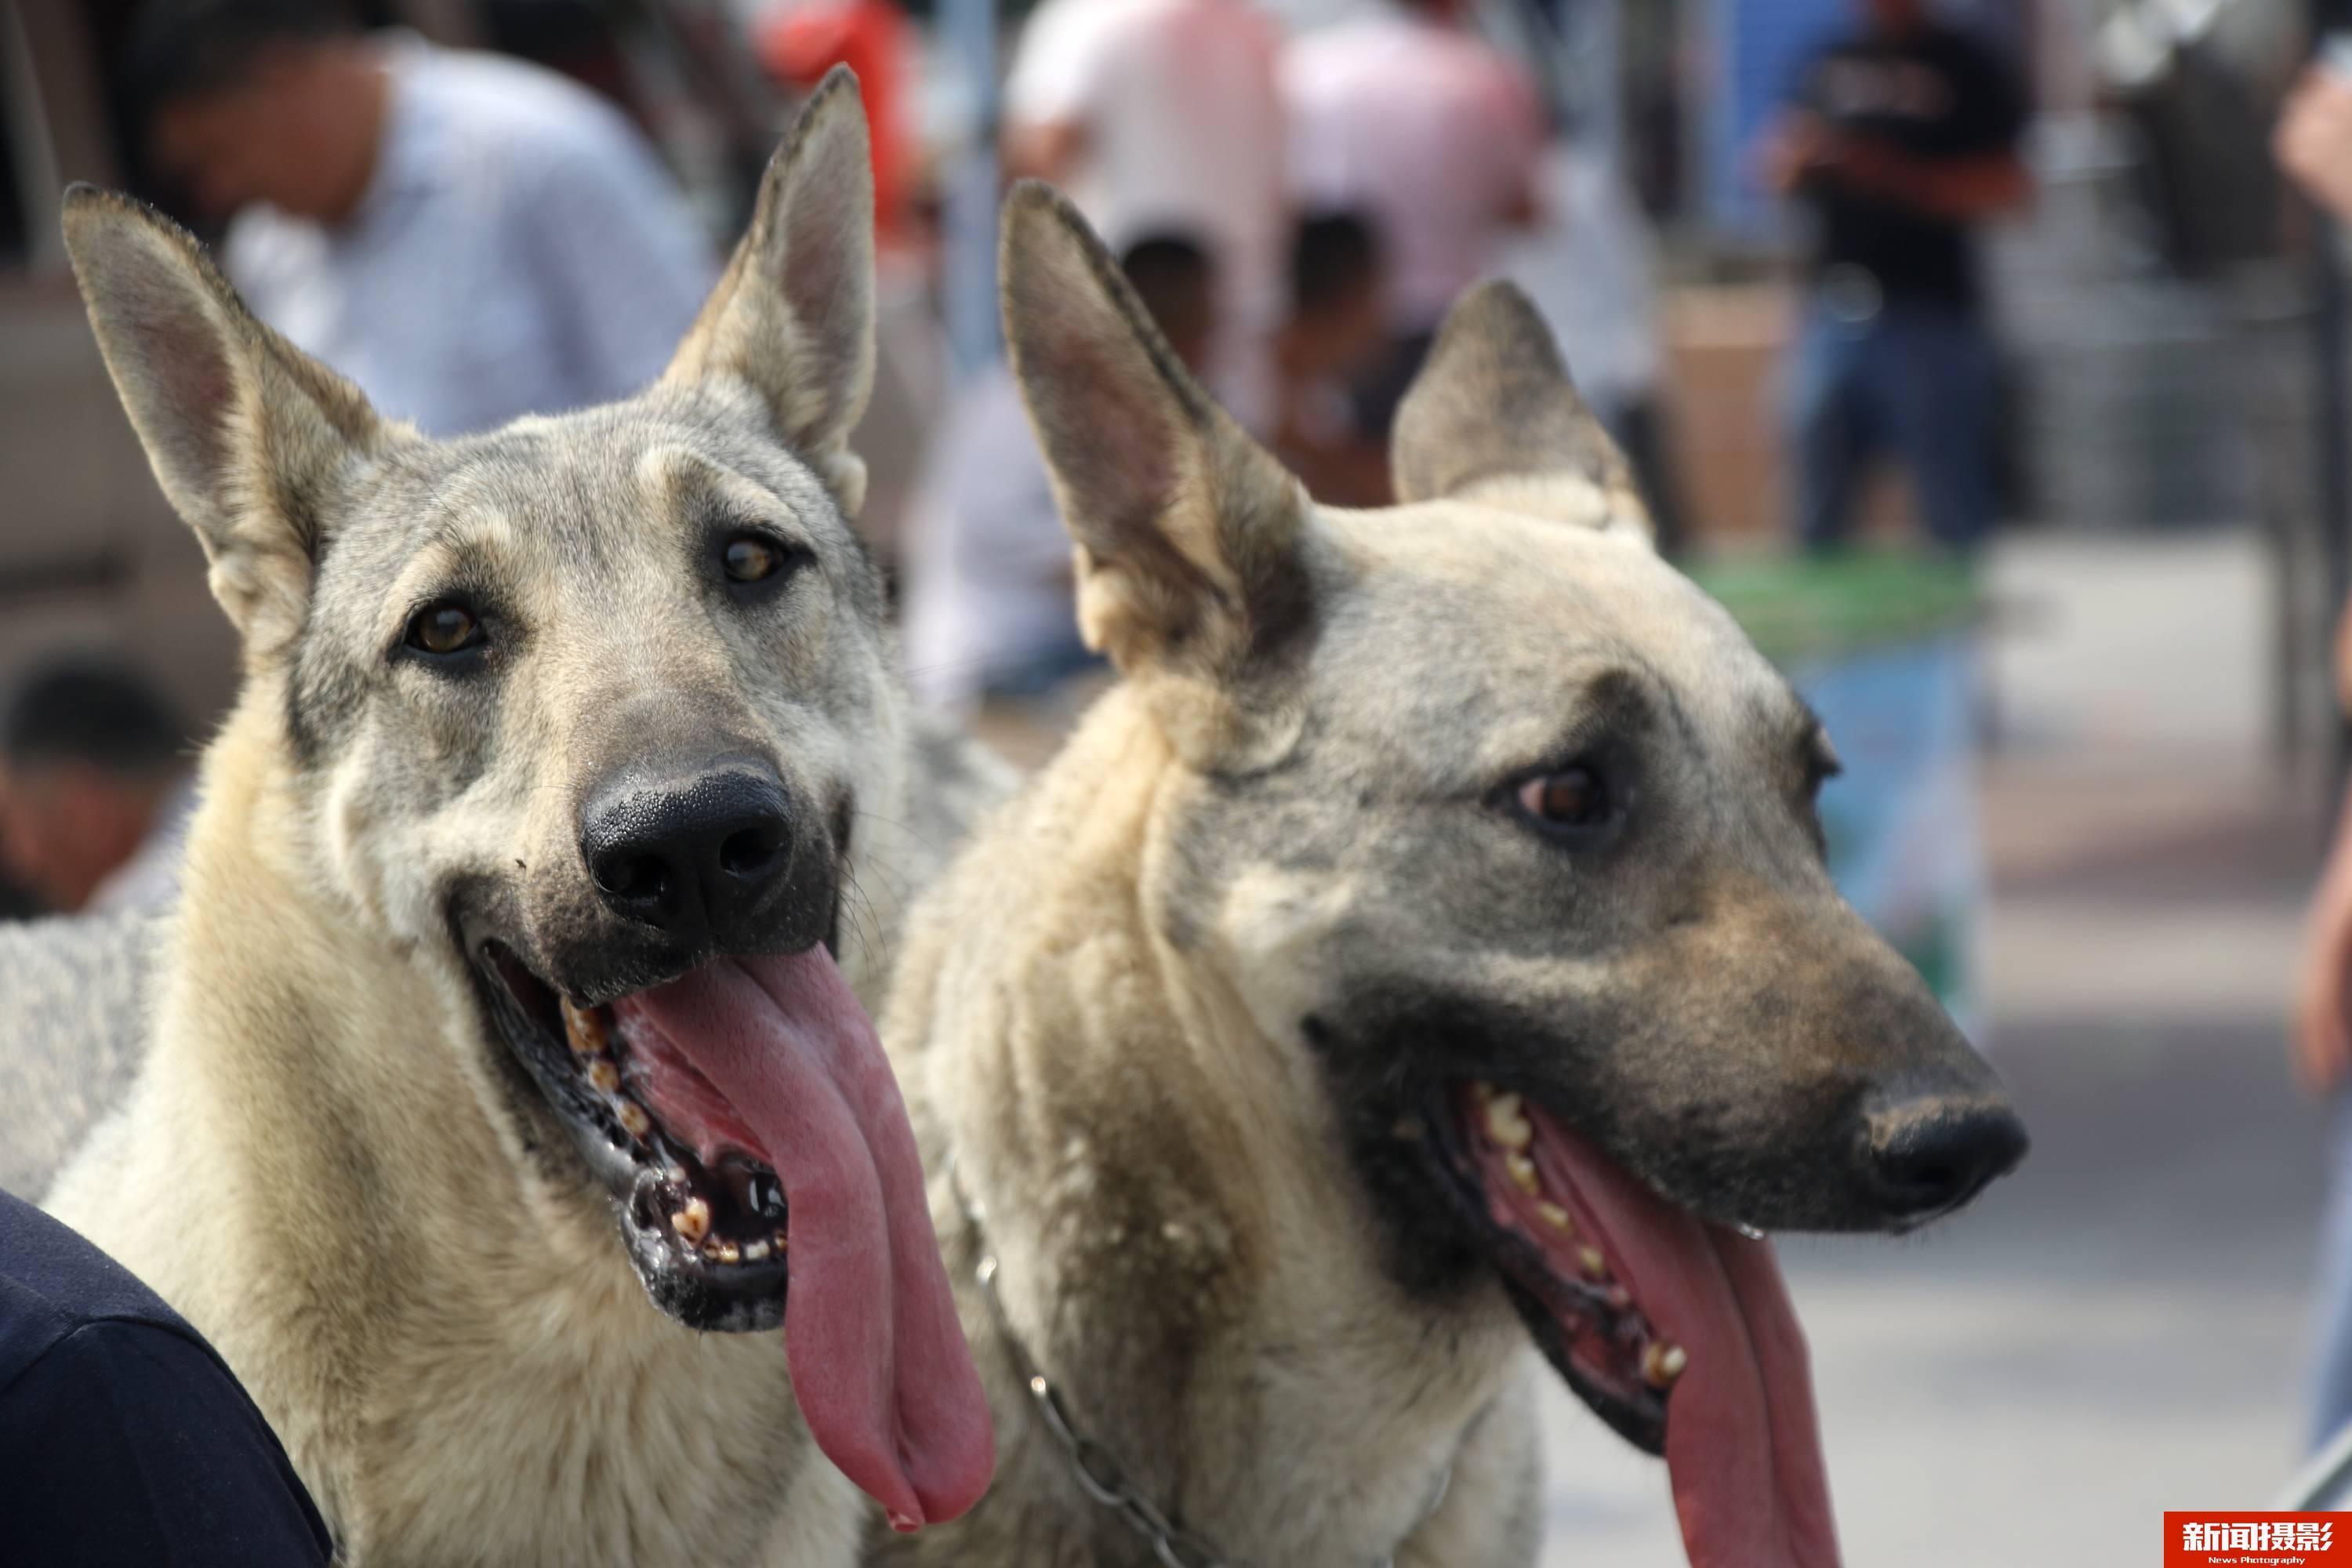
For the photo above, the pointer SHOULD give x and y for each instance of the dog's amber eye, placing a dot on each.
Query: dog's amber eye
(443, 629)
(751, 560)
(1572, 797)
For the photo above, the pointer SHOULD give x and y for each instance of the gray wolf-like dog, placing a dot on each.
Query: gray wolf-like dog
(561, 823)
(1425, 950)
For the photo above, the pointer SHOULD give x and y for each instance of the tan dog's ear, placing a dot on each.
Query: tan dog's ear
(249, 436)
(792, 316)
(1188, 533)
(1493, 416)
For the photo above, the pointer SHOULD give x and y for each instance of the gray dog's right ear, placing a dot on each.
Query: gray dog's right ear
(248, 435)
(1494, 417)
(792, 316)
(1189, 535)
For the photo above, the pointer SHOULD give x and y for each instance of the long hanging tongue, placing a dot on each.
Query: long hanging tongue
(1743, 1443)
(880, 1365)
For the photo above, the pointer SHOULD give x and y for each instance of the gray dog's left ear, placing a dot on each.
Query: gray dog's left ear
(792, 316)
(1493, 416)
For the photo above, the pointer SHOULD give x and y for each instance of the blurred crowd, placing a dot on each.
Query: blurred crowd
(471, 238)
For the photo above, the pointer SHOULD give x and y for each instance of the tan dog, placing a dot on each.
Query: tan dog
(1426, 946)
(504, 991)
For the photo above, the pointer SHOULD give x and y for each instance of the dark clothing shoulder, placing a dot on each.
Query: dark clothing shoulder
(1933, 94)
(124, 1439)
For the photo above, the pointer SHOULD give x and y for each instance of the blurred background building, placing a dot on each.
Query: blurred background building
(2092, 763)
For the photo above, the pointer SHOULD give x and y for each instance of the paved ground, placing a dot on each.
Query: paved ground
(2119, 1329)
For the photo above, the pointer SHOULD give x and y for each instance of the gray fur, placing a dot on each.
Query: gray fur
(77, 992)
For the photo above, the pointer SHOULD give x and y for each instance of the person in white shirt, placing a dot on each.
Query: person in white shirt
(989, 608)
(468, 237)
(1165, 117)
(1434, 134)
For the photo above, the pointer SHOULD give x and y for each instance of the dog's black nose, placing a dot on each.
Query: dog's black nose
(1925, 1156)
(694, 858)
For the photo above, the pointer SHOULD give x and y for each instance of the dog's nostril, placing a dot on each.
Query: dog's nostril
(636, 878)
(753, 852)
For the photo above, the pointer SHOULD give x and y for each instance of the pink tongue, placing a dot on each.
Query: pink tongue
(1743, 1443)
(878, 1361)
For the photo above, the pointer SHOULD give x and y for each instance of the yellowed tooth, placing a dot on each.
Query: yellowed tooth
(586, 1029)
(605, 1075)
(1505, 1125)
(1556, 1216)
(755, 1252)
(729, 1252)
(1522, 1172)
(780, 1241)
(1662, 1362)
(634, 1118)
(693, 1221)
(1595, 1267)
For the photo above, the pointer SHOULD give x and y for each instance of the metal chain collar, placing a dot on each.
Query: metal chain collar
(1099, 1473)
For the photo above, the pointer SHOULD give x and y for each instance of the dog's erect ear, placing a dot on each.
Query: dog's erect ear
(792, 316)
(249, 436)
(1493, 416)
(1188, 533)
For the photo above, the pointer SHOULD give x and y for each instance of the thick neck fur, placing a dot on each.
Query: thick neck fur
(440, 1323)
(1184, 1249)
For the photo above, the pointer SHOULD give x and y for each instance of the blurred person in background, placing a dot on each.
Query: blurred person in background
(1337, 330)
(2313, 144)
(468, 237)
(800, 41)
(1165, 117)
(96, 787)
(989, 595)
(2314, 138)
(1589, 265)
(1900, 141)
(1434, 135)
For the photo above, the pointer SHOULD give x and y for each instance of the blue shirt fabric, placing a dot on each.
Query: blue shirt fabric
(519, 250)
(124, 1439)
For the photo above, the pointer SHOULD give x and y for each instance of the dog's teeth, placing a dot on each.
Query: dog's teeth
(693, 1221)
(780, 1241)
(1409, 1130)
(726, 1252)
(1522, 1172)
(1556, 1216)
(1662, 1362)
(634, 1118)
(586, 1029)
(1595, 1265)
(755, 1252)
(1482, 1090)
(1620, 1297)
(605, 1075)
(1505, 1125)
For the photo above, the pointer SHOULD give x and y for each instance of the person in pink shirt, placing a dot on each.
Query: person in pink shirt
(1436, 135)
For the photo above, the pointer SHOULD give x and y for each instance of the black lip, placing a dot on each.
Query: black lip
(724, 1297)
(1537, 1293)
